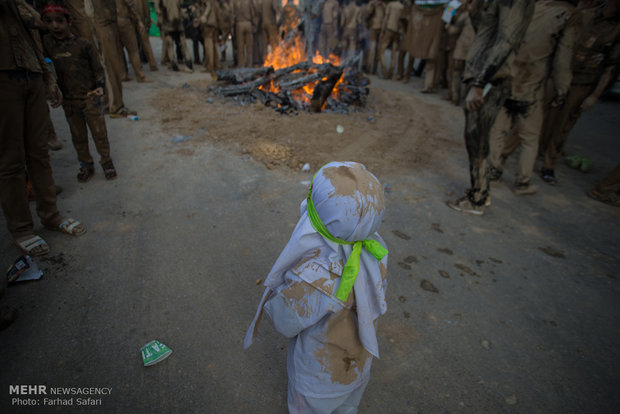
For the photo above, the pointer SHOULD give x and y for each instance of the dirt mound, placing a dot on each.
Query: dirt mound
(395, 131)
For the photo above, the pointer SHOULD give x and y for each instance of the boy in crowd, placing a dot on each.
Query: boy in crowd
(81, 79)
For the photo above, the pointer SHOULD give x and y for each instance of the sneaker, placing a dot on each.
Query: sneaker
(525, 189)
(548, 176)
(465, 205)
(494, 175)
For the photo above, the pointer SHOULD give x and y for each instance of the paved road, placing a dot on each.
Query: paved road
(525, 318)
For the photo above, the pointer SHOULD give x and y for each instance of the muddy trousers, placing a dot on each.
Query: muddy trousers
(517, 130)
(146, 47)
(177, 37)
(349, 42)
(244, 44)
(79, 114)
(372, 58)
(559, 122)
(127, 35)
(390, 37)
(455, 84)
(270, 37)
(212, 57)
(81, 24)
(23, 145)
(431, 74)
(477, 129)
(113, 63)
(328, 39)
(611, 183)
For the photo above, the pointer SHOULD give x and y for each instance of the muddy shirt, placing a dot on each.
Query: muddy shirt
(105, 12)
(392, 17)
(499, 31)
(597, 47)
(325, 358)
(77, 65)
(127, 9)
(244, 11)
(268, 12)
(546, 50)
(330, 12)
(17, 47)
(169, 15)
(376, 12)
(210, 13)
(351, 17)
(465, 37)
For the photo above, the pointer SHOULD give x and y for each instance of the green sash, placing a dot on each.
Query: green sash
(352, 267)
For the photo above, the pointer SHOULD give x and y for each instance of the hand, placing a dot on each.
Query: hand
(55, 96)
(474, 99)
(97, 92)
(588, 103)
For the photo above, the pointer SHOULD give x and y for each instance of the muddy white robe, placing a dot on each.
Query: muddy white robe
(332, 342)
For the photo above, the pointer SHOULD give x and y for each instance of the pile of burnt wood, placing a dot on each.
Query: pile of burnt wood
(276, 87)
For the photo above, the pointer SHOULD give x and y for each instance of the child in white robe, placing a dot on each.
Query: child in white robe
(327, 289)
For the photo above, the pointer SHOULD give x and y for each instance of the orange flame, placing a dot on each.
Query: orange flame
(283, 56)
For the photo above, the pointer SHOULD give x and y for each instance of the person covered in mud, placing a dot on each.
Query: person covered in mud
(327, 289)
(26, 83)
(546, 52)
(81, 79)
(595, 64)
(500, 27)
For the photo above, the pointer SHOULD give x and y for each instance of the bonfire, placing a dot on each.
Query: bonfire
(290, 81)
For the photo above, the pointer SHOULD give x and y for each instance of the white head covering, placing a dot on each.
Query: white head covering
(349, 201)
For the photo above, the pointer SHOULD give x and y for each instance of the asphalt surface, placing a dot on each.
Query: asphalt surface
(525, 316)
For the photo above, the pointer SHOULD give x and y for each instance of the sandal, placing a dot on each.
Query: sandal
(109, 171)
(71, 227)
(612, 199)
(33, 245)
(86, 171)
(124, 112)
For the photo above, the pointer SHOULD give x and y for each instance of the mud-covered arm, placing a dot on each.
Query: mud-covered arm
(561, 70)
(510, 19)
(95, 65)
(296, 305)
(134, 16)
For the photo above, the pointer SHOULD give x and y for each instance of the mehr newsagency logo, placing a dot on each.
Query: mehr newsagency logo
(42, 395)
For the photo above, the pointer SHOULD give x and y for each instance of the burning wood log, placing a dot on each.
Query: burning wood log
(324, 88)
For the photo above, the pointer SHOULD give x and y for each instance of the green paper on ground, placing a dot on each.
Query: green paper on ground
(154, 352)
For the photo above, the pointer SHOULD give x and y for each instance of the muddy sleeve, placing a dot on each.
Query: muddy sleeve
(296, 305)
(510, 21)
(561, 71)
(133, 11)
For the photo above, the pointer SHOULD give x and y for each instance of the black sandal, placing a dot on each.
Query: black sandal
(86, 171)
(109, 171)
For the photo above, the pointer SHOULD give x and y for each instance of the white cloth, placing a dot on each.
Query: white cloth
(349, 201)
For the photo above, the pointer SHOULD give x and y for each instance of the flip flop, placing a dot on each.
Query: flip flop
(71, 227)
(29, 243)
